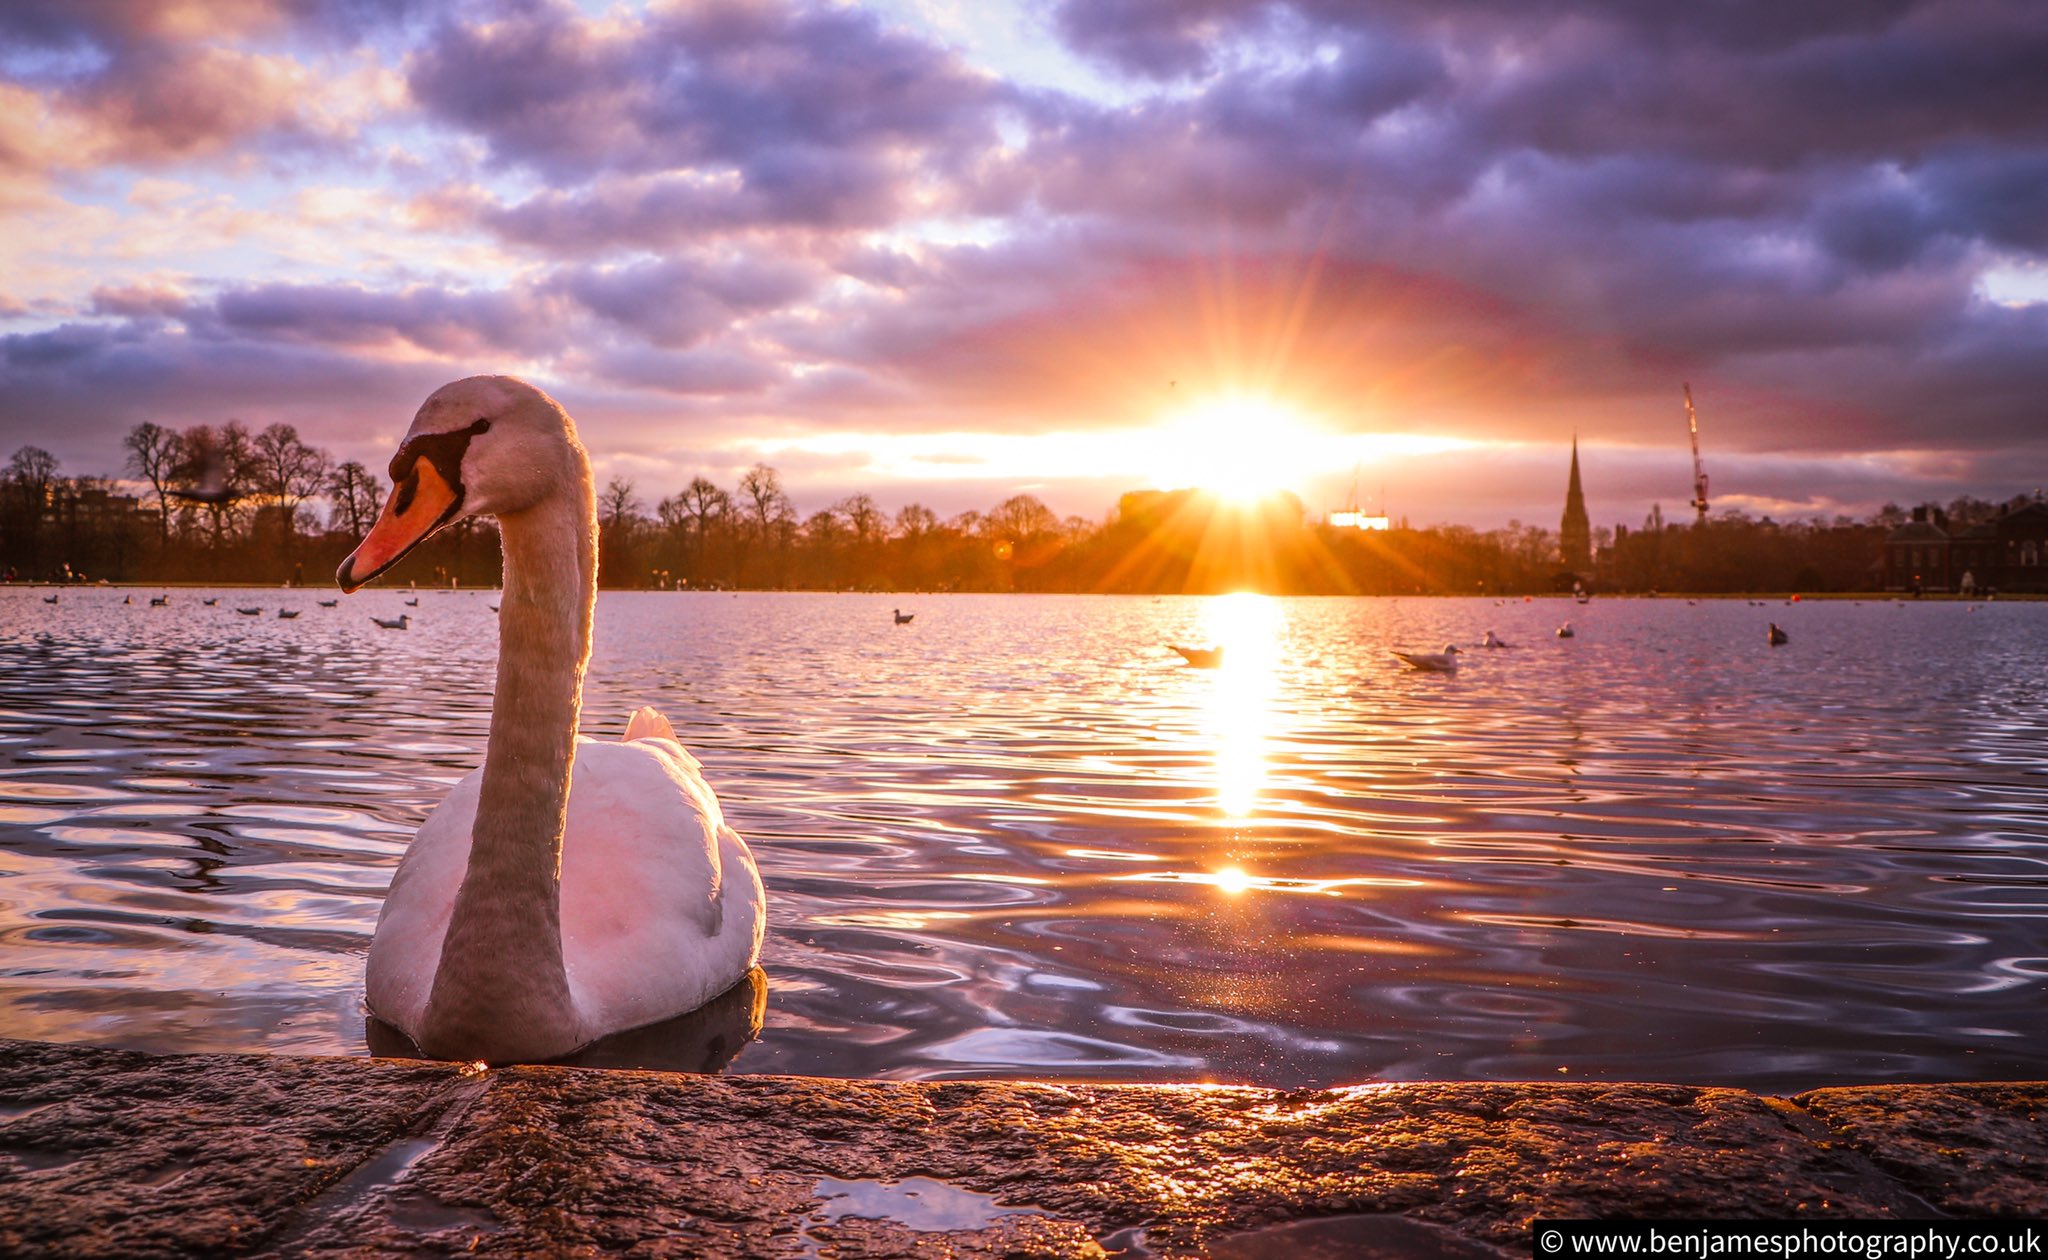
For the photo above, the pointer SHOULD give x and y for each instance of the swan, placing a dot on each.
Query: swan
(528, 919)
(1444, 662)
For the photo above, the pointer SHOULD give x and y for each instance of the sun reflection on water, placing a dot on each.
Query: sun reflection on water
(1246, 627)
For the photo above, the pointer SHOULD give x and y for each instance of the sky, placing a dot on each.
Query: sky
(946, 251)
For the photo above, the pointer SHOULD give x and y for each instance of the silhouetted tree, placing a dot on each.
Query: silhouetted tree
(153, 454)
(356, 495)
(31, 475)
(287, 472)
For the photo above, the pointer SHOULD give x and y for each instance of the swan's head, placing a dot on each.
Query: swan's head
(487, 445)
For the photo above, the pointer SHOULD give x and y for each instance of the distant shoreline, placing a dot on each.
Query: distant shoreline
(1901, 597)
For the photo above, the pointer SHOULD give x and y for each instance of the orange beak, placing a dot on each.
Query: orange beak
(418, 506)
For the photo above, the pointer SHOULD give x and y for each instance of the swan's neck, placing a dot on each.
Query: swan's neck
(500, 978)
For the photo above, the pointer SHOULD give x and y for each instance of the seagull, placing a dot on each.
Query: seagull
(286, 614)
(250, 612)
(1200, 658)
(1778, 637)
(327, 603)
(902, 618)
(160, 601)
(404, 622)
(412, 603)
(1495, 641)
(50, 599)
(210, 602)
(127, 599)
(1565, 631)
(1444, 662)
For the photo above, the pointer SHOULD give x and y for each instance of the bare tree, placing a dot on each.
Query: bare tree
(288, 471)
(1020, 517)
(691, 516)
(915, 521)
(761, 492)
(153, 454)
(355, 492)
(216, 470)
(31, 476)
(617, 507)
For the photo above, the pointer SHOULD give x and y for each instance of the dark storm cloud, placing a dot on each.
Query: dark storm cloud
(763, 90)
(679, 302)
(438, 320)
(76, 389)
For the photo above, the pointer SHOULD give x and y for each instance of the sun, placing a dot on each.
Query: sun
(1237, 448)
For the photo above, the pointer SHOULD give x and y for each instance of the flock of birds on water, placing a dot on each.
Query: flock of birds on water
(1446, 660)
(402, 621)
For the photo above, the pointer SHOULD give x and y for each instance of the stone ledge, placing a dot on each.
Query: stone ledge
(113, 1153)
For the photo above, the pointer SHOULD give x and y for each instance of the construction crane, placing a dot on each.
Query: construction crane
(1699, 471)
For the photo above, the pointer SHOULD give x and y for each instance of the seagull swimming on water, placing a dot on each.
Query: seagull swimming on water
(1444, 662)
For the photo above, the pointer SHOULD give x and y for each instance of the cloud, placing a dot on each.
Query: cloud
(1508, 219)
(759, 89)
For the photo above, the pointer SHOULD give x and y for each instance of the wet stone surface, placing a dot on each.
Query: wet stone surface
(107, 1153)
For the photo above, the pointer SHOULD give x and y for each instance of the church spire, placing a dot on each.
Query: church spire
(1575, 534)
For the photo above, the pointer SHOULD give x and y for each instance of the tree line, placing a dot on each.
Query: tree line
(222, 503)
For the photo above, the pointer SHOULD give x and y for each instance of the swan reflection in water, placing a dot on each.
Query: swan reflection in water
(703, 1040)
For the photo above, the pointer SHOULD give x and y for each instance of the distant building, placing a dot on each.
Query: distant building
(2006, 553)
(1352, 518)
(1575, 534)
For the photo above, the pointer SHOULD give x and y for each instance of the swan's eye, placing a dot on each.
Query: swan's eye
(406, 490)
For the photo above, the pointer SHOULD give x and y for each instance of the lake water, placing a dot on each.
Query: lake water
(1019, 837)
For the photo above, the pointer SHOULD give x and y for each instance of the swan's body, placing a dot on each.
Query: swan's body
(530, 917)
(660, 901)
(1444, 662)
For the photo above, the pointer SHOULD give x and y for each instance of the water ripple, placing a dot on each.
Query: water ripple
(1021, 838)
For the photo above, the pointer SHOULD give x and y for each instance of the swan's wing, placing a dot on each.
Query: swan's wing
(647, 723)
